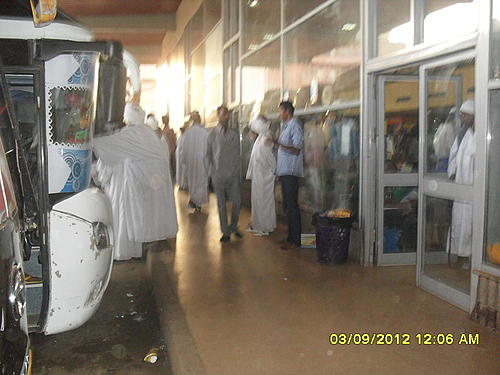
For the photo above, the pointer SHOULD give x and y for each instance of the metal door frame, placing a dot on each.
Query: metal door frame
(389, 179)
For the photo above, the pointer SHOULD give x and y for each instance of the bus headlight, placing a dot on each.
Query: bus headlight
(17, 292)
(101, 235)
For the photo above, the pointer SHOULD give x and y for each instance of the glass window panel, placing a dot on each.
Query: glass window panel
(447, 242)
(261, 21)
(231, 19)
(331, 161)
(447, 19)
(495, 41)
(231, 64)
(197, 73)
(400, 219)
(322, 57)
(493, 207)
(176, 86)
(295, 9)
(261, 82)
(401, 126)
(212, 13)
(394, 27)
(196, 29)
(448, 87)
(213, 75)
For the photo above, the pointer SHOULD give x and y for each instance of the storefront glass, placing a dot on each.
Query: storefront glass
(261, 22)
(261, 82)
(213, 75)
(446, 254)
(331, 161)
(322, 57)
(401, 127)
(447, 19)
(197, 74)
(196, 32)
(495, 41)
(449, 88)
(295, 9)
(231, 19)
(400, 219)
(212, 14)
(231, 66)
(394, 27)
(492, 255)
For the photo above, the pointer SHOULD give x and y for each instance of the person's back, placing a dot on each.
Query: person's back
(193, 157)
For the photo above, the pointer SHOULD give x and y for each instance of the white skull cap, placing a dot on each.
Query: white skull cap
(133, 115)
(260, 125)
(468, 107)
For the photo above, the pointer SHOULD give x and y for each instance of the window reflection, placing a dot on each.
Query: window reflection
(295, 9)
(446, 259)
(71, 115)
(261, 82)
(322, 57)
(450, 89)
(331, 161)
(445, 19)
(261, 22)
(394, 29)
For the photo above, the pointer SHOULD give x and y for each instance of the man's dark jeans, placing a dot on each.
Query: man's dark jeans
(290, 194)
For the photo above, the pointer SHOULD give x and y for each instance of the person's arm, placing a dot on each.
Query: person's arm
(297, 135)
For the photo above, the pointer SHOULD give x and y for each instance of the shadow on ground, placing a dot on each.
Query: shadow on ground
(116, 338)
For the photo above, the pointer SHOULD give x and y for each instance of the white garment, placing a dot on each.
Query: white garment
(444, 139)
(462, 166)
(261, 170)
(193, 155)
(180, 168)
(134, 171)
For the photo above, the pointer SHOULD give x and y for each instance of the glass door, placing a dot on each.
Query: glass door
(397, 170)
(446, 177)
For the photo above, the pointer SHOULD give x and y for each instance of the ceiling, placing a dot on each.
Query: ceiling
(139, 25)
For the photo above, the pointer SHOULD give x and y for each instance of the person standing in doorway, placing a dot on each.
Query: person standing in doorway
(290, 167)
(193, 157)
(223, 155)
(461, 170)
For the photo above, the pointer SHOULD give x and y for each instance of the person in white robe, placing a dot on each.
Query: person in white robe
(133, 170)
(193, 155)
(261, 170)
(180, 168)
(461, 170)
(443, 141)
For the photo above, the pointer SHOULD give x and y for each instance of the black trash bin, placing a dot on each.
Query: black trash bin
(332, 238)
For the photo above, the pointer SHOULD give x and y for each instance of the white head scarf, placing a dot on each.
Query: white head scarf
(133, 115)
(468, 107)
(260, 126)
(152, 123)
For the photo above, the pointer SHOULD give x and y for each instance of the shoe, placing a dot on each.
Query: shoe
(260, 234)
(288, 246)
(225, 239)
(250, 230)
(237, 234)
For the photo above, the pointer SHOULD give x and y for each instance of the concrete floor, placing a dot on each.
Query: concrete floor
(249, 308)
(116, 339)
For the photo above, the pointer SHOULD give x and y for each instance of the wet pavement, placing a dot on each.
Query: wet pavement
(116, 339)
